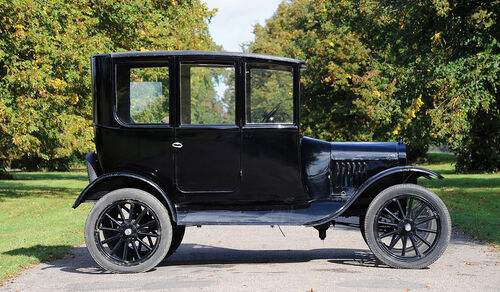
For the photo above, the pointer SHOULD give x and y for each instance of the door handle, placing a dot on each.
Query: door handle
(177, 145)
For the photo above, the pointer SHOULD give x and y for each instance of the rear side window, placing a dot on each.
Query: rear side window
(143, 95)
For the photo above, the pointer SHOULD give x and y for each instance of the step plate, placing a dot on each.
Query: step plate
(315, 212)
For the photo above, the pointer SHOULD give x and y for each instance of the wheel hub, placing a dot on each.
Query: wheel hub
(128, 231)
(407, 227)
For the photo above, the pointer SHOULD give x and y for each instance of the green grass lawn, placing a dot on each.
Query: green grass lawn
(37, 222)
(472, 199)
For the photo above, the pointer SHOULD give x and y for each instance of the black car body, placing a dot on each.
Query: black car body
(251, 166)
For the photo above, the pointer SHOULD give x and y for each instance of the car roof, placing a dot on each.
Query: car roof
(204, 54)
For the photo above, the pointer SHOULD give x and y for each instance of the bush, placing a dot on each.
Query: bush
(480, 150)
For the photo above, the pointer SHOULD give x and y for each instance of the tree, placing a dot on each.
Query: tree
(376, 69)
(45, 50)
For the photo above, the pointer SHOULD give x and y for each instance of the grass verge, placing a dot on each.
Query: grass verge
(37, 222)
(472, 199)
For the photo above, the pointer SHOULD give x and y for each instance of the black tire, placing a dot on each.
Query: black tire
(178, 235)
(417, 221)
(362, 227)
(128, 231)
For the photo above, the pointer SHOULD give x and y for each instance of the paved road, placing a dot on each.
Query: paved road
(259, 258)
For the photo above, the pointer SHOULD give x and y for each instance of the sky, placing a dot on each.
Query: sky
(233, 23)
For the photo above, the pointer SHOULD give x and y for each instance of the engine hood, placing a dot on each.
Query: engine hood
(337, 169)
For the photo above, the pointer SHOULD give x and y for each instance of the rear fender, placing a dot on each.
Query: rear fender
(113, 181)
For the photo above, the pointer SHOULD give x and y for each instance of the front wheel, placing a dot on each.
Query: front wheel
(128, 231)
(407, 226)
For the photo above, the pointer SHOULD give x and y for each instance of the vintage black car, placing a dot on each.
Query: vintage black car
(191, 138)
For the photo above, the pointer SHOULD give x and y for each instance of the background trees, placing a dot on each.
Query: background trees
(427, 70)
(45, 49)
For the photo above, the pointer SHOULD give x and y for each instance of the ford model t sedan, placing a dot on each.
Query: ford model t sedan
(190, 138)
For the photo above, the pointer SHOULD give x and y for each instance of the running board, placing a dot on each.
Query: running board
(315, 212)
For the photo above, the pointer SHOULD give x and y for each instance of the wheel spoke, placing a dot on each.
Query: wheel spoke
(146, 224)
(409, 207)
(136, 251)
(125, 249)
(112, 238)
(113, 219)
(392, 215)
(415, 247)
(426, 230)
(404, 240)
(423, 240)
(388, 234)
(387, 223)
(394, 240)
(139, 218)
(417, 213)
(131, 211)
(121, 212)
(144, 244)
(117, 245)
(148, 234)
(425, 220)
(400, 209)
(109, 229)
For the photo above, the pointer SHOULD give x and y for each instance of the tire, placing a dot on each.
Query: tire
(128, 231)
(362, 227)
(407, 226)
(178, 235)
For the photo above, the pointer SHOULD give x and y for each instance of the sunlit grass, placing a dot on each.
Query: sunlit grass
(37, 222)
(472, 199)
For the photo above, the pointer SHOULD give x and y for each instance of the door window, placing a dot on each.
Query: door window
(269, 97)
(207, 94)
(143, 95)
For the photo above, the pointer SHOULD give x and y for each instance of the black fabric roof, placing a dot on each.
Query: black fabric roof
(204, 53)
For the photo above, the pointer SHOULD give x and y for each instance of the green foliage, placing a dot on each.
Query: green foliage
(45, 49)
(479, 151)
(377, 69)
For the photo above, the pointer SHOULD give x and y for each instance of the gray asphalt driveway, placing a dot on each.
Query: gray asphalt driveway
(259, 258)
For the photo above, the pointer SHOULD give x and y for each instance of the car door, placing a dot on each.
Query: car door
(207, 134)
(270, 134)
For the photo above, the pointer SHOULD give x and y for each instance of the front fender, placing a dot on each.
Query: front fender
(113, 181)
(404, 174)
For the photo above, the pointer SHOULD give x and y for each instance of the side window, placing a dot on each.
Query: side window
(143, 94)
(269, 97)
(207, 94)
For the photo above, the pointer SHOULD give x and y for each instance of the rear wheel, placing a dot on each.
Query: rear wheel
(407, 226)
(128, 231)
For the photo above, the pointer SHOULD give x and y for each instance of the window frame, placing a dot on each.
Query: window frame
(258, 64)
(223, 61)
(118, 65)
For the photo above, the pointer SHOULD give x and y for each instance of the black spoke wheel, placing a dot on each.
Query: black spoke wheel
(407, 226)
(127, 231)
